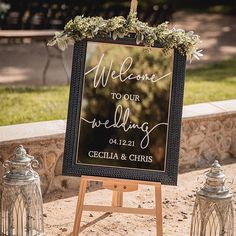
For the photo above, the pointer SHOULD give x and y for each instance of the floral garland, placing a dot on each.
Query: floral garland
(88, 27)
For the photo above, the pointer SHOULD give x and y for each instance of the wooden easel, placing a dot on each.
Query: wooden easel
(118, 186)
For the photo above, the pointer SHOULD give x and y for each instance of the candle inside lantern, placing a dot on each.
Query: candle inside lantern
(19, 216)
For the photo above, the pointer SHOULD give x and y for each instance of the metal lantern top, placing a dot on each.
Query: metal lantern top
(214, 186)
(19, 169)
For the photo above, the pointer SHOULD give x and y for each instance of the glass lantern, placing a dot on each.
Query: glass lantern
(21, 208)
(213, 209)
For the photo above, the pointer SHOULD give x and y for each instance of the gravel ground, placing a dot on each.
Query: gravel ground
(177, 208)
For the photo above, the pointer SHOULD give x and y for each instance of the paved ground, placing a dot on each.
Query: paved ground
(218, 34)
(23, 64)
(177, 207)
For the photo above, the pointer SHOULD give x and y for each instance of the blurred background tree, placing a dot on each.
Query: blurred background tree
(53, 14)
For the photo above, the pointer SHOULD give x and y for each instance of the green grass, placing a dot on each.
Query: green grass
(22, 105)
(213, 82)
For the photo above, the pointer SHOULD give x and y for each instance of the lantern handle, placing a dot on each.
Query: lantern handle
(230, 182)
(7, 165)
(35, 164)
(200, 179)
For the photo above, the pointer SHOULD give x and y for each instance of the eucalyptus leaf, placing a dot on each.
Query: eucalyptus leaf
(62, 44)
(139, 38)
(114, 35)
(121, 34)
(51, 42)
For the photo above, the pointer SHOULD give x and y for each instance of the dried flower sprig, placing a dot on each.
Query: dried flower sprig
(88, 27)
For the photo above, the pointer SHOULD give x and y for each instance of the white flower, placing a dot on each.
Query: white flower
(196, 54)
(190, 33)
(60, 39)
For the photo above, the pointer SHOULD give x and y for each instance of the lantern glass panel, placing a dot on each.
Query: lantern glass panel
(213, 225)
(19, 216)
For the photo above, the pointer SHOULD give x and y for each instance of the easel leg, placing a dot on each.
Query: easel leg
(79, 208)
(117, 199)
(158, 210)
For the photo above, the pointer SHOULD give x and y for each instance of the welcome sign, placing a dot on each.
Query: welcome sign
(124, 111)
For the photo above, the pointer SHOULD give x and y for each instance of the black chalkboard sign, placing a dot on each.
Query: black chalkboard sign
(125, 111)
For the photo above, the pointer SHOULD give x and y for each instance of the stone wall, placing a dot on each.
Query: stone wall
(205, 140)
(47, 148)
(208, 133)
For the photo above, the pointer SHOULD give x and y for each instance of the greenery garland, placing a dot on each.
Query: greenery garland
(88, 27)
